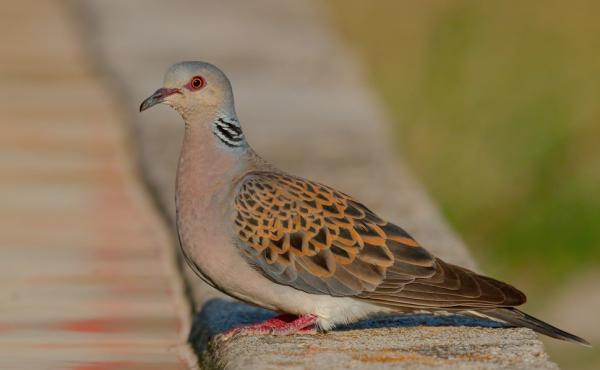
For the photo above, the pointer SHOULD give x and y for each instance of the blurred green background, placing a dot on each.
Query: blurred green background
(496, 108)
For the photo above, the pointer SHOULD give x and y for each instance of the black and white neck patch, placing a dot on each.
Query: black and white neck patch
(229, 132)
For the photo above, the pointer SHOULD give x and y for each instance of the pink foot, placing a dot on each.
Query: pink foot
(284, 324)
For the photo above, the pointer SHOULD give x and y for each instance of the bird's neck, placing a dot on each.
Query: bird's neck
(214, 154)
(221, 120)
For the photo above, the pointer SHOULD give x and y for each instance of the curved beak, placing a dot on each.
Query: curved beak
(158, 97)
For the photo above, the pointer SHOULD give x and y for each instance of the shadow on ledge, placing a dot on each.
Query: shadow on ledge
(219, 315)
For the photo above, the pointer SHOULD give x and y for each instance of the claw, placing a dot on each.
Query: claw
(285, 324)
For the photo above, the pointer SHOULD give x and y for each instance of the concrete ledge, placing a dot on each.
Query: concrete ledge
(305, 107)
(417, 341)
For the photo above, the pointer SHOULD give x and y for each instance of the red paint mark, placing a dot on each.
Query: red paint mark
(91, 326)
(4, 328)
(113, 365)
(124, 365)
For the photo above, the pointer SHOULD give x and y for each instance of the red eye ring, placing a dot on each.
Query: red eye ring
(196, 83)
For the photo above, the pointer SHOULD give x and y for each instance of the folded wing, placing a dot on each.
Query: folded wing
(322, 241)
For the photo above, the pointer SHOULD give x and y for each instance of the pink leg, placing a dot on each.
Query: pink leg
(281, 324)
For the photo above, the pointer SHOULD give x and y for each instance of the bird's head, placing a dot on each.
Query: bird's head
(192, 88)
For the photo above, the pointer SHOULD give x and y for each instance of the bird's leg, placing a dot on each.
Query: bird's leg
(280, 324)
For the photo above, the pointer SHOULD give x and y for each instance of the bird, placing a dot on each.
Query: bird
(304, 249)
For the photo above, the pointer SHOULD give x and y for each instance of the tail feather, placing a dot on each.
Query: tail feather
(516, 317)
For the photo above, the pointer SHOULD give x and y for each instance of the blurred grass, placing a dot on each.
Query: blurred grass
(496, 107)
(496, 110)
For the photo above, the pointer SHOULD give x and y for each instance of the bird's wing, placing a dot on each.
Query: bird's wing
(322, 241)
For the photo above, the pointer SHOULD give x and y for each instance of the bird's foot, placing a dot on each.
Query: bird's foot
(284, 324)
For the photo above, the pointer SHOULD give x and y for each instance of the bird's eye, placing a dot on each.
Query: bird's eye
(196, 83)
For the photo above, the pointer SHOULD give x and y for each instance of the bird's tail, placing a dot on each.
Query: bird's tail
(519, 318)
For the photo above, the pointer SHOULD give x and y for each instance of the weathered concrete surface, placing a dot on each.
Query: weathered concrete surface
(88, 278)
(407, 342)
(404, 347)
(305, 107)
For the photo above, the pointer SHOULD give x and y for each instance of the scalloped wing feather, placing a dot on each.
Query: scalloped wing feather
(321, 241)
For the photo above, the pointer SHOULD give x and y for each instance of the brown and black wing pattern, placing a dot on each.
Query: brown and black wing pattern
(319, 240)
(448, 287)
